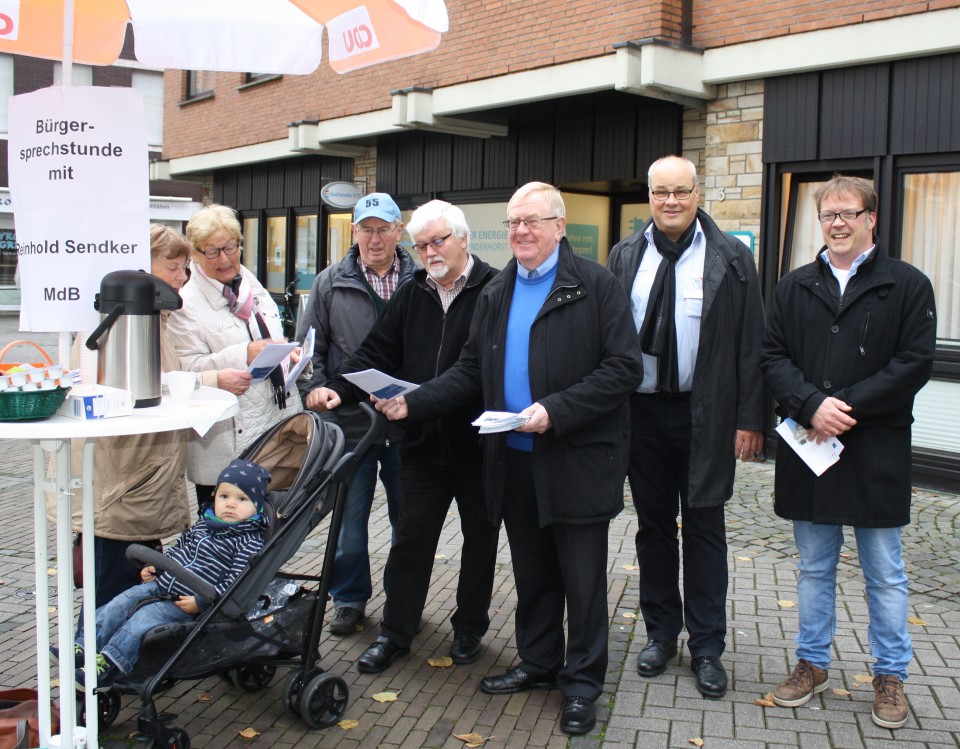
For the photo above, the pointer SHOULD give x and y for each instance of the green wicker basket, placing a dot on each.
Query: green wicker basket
(31, 404)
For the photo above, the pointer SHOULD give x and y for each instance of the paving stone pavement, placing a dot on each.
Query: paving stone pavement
(434, 704)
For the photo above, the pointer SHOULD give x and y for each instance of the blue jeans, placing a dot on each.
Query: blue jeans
(886, 584)
(351, 586)
(119, 630)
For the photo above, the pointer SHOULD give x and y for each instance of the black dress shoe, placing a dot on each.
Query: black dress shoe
(711, 676)
(465, 649)
(516, 680)
(652, 660)
(379, 656)
(578, 716)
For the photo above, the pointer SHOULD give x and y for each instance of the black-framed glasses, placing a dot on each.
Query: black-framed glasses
(532, 222)
(230, 249)
(438, 243)
(383, 231)
(829, 218)
(681, 195)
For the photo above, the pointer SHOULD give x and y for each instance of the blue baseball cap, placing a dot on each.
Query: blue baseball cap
(376, 205)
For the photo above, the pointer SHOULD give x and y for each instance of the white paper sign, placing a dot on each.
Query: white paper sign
(78, 174)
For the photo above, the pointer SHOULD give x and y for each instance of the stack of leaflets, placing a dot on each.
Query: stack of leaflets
(491, 422)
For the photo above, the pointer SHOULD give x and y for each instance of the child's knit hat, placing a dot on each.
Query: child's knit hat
(250, 478)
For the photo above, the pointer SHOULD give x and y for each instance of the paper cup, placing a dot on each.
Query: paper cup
(18, 379)
(181, 385)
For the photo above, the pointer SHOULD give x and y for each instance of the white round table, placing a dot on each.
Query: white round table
(51, 437)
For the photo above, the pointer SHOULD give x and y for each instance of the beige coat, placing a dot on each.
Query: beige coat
(139, 485)
(207, 336)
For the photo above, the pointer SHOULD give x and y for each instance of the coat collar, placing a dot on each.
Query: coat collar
(875, 272)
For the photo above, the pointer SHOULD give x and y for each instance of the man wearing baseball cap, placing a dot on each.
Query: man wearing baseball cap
(345, 300)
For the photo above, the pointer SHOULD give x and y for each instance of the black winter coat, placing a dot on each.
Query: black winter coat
(415, 340)
(872, 348)
(584, 363)
(728, 391)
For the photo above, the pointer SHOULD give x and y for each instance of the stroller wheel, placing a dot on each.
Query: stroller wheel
(253, 678)
(324, 700)
(291, 692)
(108, 708)
(177, 738)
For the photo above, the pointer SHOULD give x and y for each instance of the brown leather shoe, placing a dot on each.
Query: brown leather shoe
(890, 709)
(803, 682)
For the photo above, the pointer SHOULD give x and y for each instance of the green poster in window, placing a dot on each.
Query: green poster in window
(585, 240)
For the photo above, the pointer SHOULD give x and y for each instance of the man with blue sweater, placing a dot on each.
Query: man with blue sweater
(552, 340)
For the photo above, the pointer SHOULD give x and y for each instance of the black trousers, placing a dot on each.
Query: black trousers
(428, 491)
(658, 474)
(560, 565)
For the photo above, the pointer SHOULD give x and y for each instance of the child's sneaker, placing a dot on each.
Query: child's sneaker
(77, 656)
(107, 673)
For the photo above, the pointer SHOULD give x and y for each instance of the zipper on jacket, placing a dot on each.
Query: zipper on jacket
(863, 333)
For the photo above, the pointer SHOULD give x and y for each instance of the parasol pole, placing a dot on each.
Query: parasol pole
(63, 339)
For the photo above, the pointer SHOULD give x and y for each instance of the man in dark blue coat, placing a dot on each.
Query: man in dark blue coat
(696, 304)
(850, 342)
(552, 341)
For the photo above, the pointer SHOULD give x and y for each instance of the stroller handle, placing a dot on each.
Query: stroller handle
(144, 555)
(343, 469)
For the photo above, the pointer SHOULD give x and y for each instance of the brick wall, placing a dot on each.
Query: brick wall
(486, 39)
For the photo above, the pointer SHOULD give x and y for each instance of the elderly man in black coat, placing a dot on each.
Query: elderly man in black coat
(696, 304)
(551, 340)
(851, 341)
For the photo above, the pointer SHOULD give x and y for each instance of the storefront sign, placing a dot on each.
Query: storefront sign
(77, 157)
(341, 194)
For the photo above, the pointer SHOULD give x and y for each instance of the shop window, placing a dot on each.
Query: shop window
(339, 237)
(200, 83)
(251, 244)
(306, 251)
(931, 240)
(8, 256)
(276, 250)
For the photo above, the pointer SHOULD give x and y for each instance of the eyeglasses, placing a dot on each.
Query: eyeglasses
(829, 218)
(681, 195)
(438, 243)
(532, 222)
(229, 250)
(368, 231)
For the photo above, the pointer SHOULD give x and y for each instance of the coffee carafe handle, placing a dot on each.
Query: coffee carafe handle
(93, 342)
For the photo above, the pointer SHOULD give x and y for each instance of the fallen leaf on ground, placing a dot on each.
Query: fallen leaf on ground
(629, 615)
(205, 697)
(696, 742)
(346, 725)
(787, 604)
(51, 571)
(52, 610)
(744, 559)
(444, 662)
(765, 701)
(841, 692)
(630, 567)
(472, 740)
(386, 696)
(916, 620)
(249, 733)
(863, 678)
(439, 556)
(3, 582)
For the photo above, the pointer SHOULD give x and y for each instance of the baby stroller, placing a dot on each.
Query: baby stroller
(268, 618)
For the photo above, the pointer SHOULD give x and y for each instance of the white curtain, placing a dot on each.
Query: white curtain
(931, 240)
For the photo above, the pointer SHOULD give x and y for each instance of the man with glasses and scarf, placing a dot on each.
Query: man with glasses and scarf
(345, 301)
(696, 305)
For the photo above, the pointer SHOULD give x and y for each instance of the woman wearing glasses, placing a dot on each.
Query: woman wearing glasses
(226, 320)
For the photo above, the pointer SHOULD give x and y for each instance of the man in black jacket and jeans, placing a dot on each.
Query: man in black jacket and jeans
(419, 336)
(696, 305)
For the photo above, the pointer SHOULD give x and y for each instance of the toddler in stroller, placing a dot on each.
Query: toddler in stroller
(216, 548)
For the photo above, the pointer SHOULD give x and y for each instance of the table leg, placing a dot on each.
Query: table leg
(41, 562)
(89, 595)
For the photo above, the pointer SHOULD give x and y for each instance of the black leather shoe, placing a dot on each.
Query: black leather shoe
(652, 660)
(379, 656)
(516, 680)
(465, 649)
(711, 676)
(578, 716)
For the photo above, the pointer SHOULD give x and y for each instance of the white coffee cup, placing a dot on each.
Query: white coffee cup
(181, 385)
